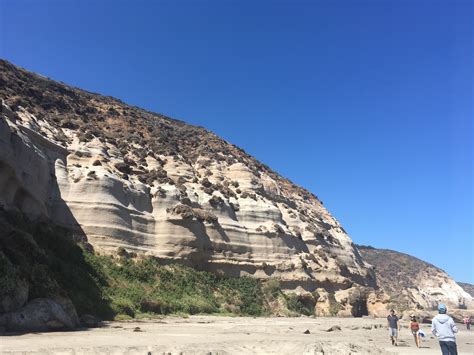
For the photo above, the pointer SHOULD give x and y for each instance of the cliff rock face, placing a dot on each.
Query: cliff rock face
(409, 283)
(120, 176)
(469, 288)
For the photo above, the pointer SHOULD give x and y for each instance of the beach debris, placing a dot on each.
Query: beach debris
(371, 327)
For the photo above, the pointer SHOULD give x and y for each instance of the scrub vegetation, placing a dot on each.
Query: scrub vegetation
(54, 264)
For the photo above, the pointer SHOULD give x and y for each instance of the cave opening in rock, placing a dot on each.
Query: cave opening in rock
(359, 308)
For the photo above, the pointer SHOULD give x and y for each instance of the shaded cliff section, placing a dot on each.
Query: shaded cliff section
(45, 281)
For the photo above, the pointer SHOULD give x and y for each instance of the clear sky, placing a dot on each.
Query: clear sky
(368, 104)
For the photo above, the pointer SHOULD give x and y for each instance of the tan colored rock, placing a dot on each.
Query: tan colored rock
(116, 174)
(123, 177)
(408, 283)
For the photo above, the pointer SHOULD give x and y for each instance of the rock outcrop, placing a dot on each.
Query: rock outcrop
(469, 288)
(406, 282)
(123, 177)
(40, 314)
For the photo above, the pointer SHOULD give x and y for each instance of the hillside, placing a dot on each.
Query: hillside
(125, 180)
(105, 208)
(469, 288)
(413, 283)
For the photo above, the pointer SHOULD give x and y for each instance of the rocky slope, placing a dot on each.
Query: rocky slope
(122, 177)
(469, 288)
(406, 282)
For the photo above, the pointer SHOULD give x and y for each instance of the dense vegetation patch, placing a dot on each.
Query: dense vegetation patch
(54, 265)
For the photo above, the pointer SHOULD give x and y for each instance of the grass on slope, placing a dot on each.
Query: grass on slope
(53, 265)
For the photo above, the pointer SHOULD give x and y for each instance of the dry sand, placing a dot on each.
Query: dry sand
(228, 335)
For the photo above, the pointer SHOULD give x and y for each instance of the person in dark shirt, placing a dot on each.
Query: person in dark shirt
(393, 323)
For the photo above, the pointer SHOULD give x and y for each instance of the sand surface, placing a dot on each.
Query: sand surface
(228, 335)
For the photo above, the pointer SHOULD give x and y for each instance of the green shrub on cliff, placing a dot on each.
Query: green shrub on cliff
(145, 286)
(54, 266)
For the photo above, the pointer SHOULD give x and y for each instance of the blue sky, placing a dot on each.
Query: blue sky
(368, 104)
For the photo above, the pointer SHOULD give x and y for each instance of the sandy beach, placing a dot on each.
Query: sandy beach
(229, 335)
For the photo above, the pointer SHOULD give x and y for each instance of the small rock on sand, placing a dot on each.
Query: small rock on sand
(307, 331)
(333, 328)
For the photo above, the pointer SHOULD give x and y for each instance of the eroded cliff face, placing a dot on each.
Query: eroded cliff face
(123, 177)
(469, 288)
(407, 282)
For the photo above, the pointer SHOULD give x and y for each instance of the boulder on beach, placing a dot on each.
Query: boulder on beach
(41, 314)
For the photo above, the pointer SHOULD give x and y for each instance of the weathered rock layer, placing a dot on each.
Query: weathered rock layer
(406, 282)
(124, 177)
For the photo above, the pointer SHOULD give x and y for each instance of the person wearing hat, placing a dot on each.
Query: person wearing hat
(444, 328)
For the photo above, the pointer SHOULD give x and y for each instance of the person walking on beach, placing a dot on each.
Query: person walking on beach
(393, 323)
(467, 321)
(415, 328)
(444, 328)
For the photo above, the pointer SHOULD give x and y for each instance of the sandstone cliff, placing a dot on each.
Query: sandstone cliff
(119, 176)
(406, 282)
